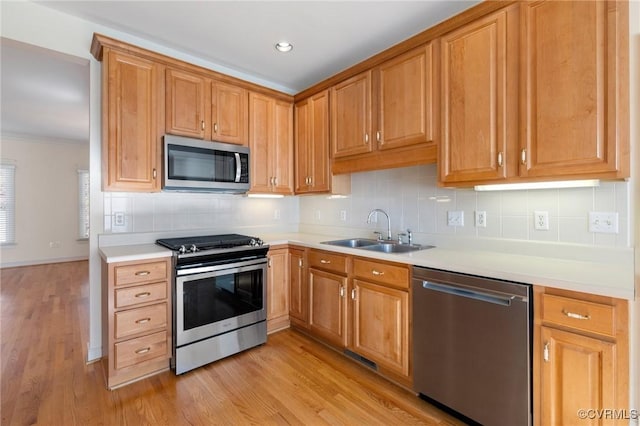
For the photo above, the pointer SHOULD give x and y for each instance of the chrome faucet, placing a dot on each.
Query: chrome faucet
(388, 221)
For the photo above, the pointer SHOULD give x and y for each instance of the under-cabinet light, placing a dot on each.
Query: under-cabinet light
(336, 197)
(539, 185)
(265, 195)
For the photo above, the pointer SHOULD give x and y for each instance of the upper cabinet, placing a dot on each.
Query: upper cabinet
(538, 90)
(385, 108)
(271, 145)
(574, 88)
(202, 108)
(312, 167)
(479, 99)
(185, 113)
(130, 122)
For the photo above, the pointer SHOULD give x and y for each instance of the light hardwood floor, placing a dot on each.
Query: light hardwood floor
(290, 380)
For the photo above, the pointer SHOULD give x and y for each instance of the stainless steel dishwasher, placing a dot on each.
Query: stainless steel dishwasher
(472, 345)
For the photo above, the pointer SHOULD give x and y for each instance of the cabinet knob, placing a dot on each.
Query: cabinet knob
(143, 350)
(377, 273)
(202, 125)
(143, 320)
(325, 262)
(523, 156)
(215, 127)
(575, 315)
(142, 273)
(545, 352)
(145, 294)
(341, 291)
(500, 159)
(353, 294)
(366, 138)
(155, 173)
(378, 137)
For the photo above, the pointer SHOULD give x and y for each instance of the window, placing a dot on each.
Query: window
(83, 204)
(7, 204)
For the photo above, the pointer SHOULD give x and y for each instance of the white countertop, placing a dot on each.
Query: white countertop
(613, 275)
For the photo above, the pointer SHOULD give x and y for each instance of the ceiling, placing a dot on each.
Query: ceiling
(45, 93)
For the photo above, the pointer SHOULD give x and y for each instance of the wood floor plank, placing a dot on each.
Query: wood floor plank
(290, 380)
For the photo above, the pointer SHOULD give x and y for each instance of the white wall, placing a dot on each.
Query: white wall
(46, 200)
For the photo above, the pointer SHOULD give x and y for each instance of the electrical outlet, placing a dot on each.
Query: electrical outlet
(481, 219)
(318, 215)
(55, 244)
(343, 215)
(118, 219)
(541, 220)
(603, 222)
(455, 218)
(276, 214)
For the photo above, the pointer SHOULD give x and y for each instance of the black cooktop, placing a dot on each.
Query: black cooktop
(206, 242)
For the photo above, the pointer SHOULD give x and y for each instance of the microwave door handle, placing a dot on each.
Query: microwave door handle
(238, 167)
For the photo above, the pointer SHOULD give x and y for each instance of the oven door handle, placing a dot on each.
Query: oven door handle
(227, 268)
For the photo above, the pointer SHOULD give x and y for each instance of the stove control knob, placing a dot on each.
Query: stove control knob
(253, 242)
(193, 248)
(256, 242)
(259, 242)
(182, 250)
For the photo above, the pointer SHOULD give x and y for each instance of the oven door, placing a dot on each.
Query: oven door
(228, 297)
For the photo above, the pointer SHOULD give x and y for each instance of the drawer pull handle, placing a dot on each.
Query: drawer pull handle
(325, 262)
(377, 273)
(143, 320)
(576, 316)
(143, 350)
(142, 273)
(145, 294)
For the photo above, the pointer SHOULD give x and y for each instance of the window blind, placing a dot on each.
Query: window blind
(7, 204)
(83, 204)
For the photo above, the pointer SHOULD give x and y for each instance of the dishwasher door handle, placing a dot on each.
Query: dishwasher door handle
(476, 295)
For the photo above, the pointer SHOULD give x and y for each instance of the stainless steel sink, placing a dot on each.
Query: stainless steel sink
(352, 242)
(396, 248)
(375, 245)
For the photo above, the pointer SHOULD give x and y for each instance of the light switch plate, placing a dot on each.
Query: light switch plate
(603, 222)
(455, 218)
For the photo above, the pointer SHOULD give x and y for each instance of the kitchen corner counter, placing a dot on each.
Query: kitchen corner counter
(613, 277)
(133, 252)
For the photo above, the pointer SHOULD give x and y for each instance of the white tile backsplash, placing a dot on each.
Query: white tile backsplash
(413, 199)
(410, 195)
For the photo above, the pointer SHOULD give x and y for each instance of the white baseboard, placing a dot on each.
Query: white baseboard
(41, 261)
(93, 354)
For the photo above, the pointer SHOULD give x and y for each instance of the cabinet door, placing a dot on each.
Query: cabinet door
(130, 98)
(229, 113)
(351, 116)
(282, 148)
(406, 86)
(327, 306)
(261, 120)
(298, 289)
(577, 372)
(572, 83)
(277, 285)
(479, 99)
(312, 166)
(381, 325)
(185, 104)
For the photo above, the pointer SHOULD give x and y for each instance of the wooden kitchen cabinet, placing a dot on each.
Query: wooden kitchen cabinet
(327, 296)
(377, 112)
(574, 89)
(298, 287)
(580, 356)
(136, 319)
(479, 99)
(202, 108)
(185, 104)
(380, 314)
(563, 66)
(277, 289)
(130, 116)
(271, 144)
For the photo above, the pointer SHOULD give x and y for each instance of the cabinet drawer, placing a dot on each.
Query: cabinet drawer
(141, 272)
(579, 314)
(328, 261)
(140, 294)
(395, 275)
(142, 349)
(140, 320)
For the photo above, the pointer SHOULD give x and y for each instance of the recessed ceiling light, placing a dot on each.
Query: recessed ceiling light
(284, 46)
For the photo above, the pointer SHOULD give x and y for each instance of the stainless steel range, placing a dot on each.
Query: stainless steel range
(219, 297)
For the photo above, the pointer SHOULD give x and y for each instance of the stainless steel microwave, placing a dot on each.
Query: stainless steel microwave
(197, 165)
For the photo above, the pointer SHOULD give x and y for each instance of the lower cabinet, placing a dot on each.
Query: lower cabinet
(277, 288)
(581, 365)
(362, 305)
(136, 319)
(298, 288)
